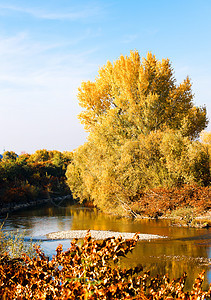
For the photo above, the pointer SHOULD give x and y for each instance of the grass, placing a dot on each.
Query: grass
(187, 217)
(14, 244)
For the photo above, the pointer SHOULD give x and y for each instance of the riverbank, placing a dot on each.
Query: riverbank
(186, 218)
(181, 216)
(99, 235)
(6, 208)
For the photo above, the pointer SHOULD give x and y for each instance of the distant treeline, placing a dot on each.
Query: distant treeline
(28, 177)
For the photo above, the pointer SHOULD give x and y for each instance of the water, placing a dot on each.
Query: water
(184, 249)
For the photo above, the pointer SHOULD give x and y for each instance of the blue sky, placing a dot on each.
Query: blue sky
(48, 47)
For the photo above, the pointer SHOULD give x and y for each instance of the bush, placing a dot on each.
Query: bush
(89, 271)
(156, 202)
(14, 245)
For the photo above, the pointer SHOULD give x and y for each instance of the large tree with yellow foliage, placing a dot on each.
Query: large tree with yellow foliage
(142, 129)
(142, 94)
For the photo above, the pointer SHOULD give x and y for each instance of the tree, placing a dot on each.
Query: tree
(142, 129)
(40, 156)
(206, 140)
(141, 95)
(10, 156)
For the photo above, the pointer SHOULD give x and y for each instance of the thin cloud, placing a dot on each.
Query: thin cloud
(22, 44)
(130, 38)
(73, 15)
(30, 65)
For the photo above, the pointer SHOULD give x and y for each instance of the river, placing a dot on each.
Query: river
(184, 249)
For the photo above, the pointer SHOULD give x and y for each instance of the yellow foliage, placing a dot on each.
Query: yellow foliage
(145, 93)
(142, 130)
(206, 137)
(206, 140)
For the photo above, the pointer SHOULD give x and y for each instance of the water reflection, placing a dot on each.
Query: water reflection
(185, 249)
(172, 257)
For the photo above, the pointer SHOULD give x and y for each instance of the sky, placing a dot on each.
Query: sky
(48, 47)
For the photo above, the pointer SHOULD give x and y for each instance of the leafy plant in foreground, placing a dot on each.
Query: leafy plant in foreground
(88, 271)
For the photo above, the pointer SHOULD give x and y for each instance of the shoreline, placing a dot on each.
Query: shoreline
(13, 206)
(201, 221)
(99, 235)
